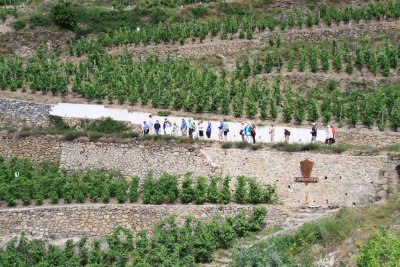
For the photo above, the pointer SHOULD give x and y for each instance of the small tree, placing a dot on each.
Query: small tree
(291, 19)
(225, 194)
(302, 64)
(241, 192)
(187, 193)
(326, 109)
(309, 19)
(283, 22)
(200, 195)
(268, 63)
(314, 60)
(212, 192)
(299, 109)
(324, 60)
(395, 115)
(64, 15)
(313, 110)
(273, 110)
(290, 65)
(300, 19)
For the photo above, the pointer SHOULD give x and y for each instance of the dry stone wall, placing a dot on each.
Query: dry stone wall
(367, 137)
(344, 180)
(135, 159)
(37, 148)
(98, 220)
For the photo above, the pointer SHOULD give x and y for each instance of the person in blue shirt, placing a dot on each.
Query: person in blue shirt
(145, 128)
(183, 127)
(247, 132)
(208, 131)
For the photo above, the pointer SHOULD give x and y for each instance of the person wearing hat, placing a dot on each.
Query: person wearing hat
(313, 133)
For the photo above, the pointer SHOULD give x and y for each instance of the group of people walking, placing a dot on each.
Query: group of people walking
(201, 130)
(186, 128)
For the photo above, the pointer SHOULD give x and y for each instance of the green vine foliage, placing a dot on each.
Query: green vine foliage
(169, 244)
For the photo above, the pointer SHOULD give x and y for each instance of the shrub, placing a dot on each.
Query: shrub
(63, 15)
(242, 145)
(212, 192)
(240, 224)
(380, 250)
(148, 188)
(256, 219)
(241, 192)
(198, 11)
(58, 123)
(225, 234)
(106, 126)
(38, 20)
(164, 113)
(187, 193)
(200, 191)
(168, 187)
(255, 192)
(133, 188)
(226, 145)
(18, 24)
(225, 194)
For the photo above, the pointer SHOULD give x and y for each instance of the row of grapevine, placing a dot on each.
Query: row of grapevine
(319, 58)
(235, 26)
(169, 244)
(176, 84)
(202, 189)
(46, 181)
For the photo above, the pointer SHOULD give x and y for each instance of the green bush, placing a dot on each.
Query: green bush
(63, 15)
(18, 25)
(187, 192)
(212, 192)
(225, 193)
(39, 20)
(168, 245)
(198, 11)
(200, 191)
(241, 190)
(133, 189)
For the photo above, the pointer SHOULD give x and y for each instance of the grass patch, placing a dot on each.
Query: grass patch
(339, 148)
(391, 148)
(226, 145)
(296, 249)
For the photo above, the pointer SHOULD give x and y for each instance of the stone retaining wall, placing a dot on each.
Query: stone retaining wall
(23, 109)
(98, 220)
(367, 137)
(37, 148)
(344, 179)
(136, 159)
